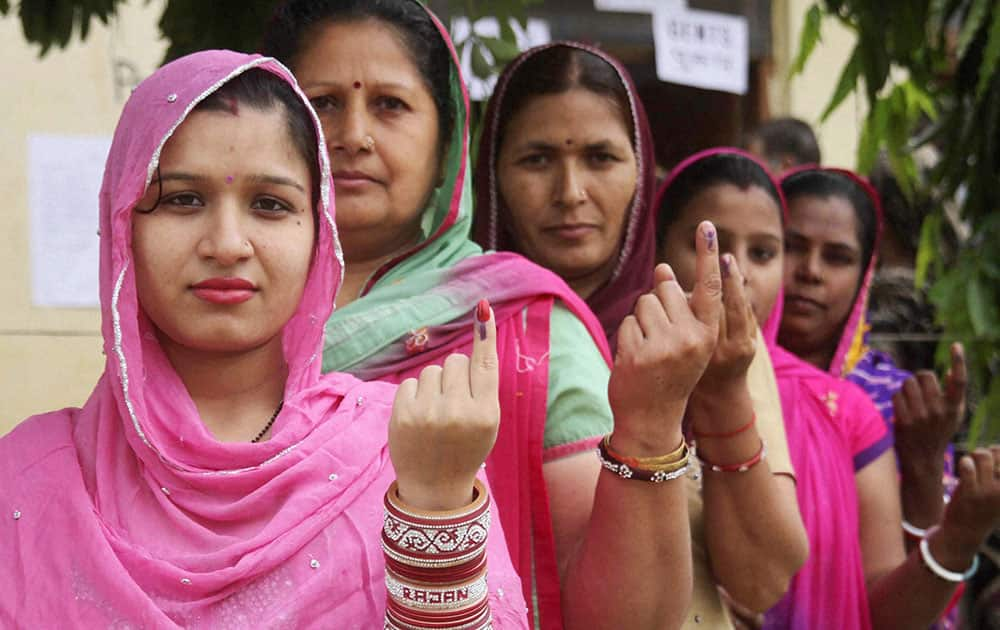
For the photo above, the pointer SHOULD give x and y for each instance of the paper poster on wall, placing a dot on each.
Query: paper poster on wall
(703, 49)
(64, 180)
(536, 34)
(634, 6)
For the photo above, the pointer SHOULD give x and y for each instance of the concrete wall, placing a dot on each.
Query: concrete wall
(807, 95)
(51, 358)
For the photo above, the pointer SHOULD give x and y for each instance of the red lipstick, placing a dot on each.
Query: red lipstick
(224, 290)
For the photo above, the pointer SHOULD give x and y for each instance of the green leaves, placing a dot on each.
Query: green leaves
(991, 57)
(54, 22)
(981, 298)
(925, 87)
(973, 20)
(847, 83)
(808, 39)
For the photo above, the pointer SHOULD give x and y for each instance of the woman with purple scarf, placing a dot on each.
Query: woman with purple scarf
(834, 231)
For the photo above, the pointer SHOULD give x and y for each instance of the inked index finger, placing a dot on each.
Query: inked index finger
(956, 379)
(706, 299)
(484, 366)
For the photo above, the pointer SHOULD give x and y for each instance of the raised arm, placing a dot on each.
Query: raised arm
(755, 536)
(911, 591)
(926, 420)
(437, 515)
(625, 550)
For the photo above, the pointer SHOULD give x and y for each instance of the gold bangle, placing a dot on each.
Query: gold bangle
(673, 461)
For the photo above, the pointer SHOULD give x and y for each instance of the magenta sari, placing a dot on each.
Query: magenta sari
(128, 513)
(828, 423)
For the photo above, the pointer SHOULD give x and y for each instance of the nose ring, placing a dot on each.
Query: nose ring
(368, 143)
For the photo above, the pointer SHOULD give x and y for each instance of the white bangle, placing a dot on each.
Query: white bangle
(913, 530)
(940, 571)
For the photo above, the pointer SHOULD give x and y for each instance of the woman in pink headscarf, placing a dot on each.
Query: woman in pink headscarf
(215, 479)
(857, 575)
(595, 547)
(566, 176)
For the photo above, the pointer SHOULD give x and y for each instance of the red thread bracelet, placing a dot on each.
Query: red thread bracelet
(741, 467)
(728, 434)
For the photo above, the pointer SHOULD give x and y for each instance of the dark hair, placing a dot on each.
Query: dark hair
(265, 91)
(788, 136)
(559, 69)
(712, 170)
(826, 184)
(903, 217)
(296, 21)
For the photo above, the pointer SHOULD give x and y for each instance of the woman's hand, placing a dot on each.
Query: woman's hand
(974, 510)
(737, 339)
(663, 349)
(445, 422)
(926, 419)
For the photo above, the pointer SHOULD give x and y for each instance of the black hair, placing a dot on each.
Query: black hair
(296, 21)
(712, 170)
(559, 69)
(788, 136)
(903, 217)
(264, 91)
(825, 184)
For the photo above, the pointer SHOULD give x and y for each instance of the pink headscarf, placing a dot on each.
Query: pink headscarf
(633, 272)
(818, 410)
(128, 513)
(852, 344)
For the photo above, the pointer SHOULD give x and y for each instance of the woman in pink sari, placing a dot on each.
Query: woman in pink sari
(565, 176)
(215, 479)
(834, 231)
(857, 575)
(387, 86)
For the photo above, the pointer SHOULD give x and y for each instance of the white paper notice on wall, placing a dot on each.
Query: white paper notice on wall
(64, 181)
(633, 6)
(703, 49)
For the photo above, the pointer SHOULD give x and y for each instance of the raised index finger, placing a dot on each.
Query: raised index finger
(706, 299)
(484, 368)
(956, 378)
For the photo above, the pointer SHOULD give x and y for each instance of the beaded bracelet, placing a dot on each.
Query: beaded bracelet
(938, 570)
(673, 470)
(727, 434)
(742, 467)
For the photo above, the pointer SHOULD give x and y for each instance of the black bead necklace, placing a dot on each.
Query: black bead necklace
(269, 423)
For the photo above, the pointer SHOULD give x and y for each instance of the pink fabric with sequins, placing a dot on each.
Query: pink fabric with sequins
(129, 514)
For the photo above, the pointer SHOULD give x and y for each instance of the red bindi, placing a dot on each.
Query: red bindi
(357, 85)
(569, 142)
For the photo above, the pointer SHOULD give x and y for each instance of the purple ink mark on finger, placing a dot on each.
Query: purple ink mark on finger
(710, 238)
(482, 331)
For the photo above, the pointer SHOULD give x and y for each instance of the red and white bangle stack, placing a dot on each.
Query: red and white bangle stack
(435, 564)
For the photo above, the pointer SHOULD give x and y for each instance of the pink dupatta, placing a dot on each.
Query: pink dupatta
(127, 513)
(829, 591)
(416, 310)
